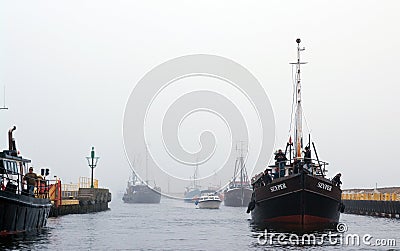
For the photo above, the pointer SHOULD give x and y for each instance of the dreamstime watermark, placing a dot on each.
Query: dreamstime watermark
(339, 237)
(207, 100)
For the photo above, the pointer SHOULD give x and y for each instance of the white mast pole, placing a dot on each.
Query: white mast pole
(4, 97)
(298, 132)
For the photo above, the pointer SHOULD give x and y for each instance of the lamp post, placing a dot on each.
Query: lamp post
(92, 162)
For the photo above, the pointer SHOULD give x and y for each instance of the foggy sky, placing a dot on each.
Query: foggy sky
(69, 68)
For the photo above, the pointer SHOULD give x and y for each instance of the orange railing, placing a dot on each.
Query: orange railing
(55, 193)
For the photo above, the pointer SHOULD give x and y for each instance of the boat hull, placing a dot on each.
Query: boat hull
(297, 202)
(210, 204)
(237, 197)
(20, 213)
(142, 194)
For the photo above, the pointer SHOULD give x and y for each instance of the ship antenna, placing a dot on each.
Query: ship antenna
(147, 160)
(4, 98)
(298, 132)
(196, 168)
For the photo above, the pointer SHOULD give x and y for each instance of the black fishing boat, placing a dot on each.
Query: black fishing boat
(140, 192)
(294, 194)
(20, 209)
(238, 192)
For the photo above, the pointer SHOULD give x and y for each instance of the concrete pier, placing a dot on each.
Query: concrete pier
(381, 202)
(389, 209)
(88, 200)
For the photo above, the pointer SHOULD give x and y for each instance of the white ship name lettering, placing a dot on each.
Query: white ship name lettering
(278, 187)
(324, 186)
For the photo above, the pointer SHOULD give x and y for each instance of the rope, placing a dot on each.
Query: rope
(305, 119)
(293, 103)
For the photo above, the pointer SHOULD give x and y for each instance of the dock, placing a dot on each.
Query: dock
(78, 198)
(381, 202)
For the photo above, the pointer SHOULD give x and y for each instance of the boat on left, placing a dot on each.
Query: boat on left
(23, 206)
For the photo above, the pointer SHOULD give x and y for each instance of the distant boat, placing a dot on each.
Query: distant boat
(140, 192)
(299, 197)
(192, 192)
(208, 201)
(238, 193)
(20, 210)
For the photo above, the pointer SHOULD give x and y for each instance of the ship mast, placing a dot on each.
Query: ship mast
(196, 169)
(147, 167)
(298, 130)
(4, 99)
(243, 172)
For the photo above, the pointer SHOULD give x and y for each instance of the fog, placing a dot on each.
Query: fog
(69, 67)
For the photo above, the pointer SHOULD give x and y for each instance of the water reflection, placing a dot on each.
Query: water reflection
(285, 237)
(294, 228)
(174, 225)
(29, 240)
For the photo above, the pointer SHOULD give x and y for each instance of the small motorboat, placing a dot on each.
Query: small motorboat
(208, 201)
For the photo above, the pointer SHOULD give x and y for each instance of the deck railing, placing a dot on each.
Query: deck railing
(314, 166)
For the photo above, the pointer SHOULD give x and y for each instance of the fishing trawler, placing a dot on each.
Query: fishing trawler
(140, 192)
(238, 192)
(21, 209)
(294, 193)
(193, 192)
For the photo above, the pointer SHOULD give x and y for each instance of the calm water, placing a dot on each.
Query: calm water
(175, 225)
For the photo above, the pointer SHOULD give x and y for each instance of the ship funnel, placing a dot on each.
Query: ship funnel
(11, 141)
